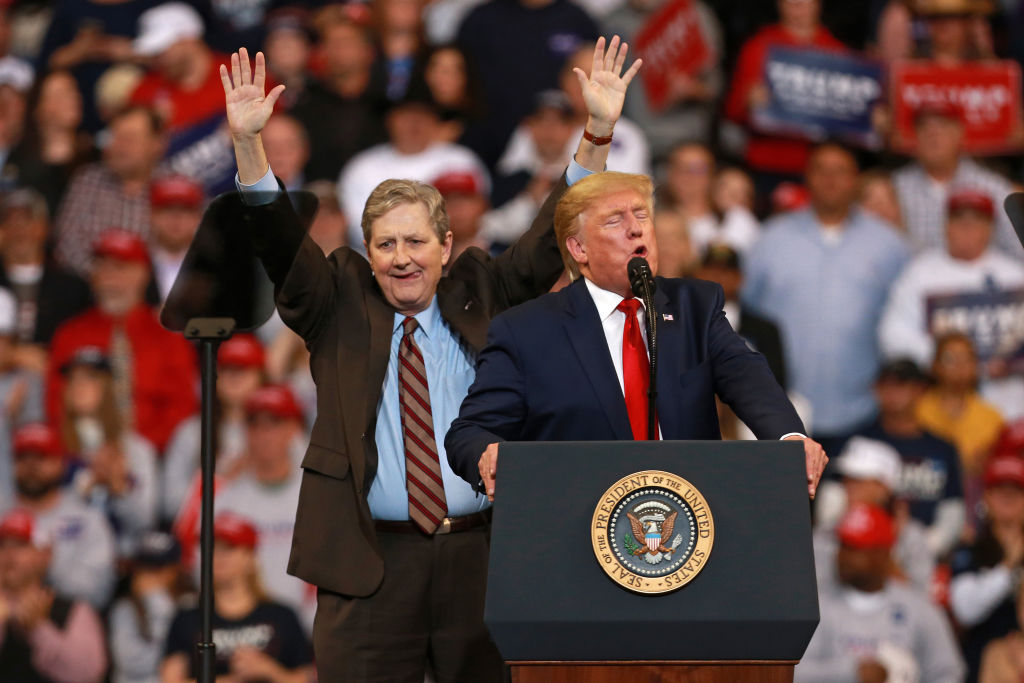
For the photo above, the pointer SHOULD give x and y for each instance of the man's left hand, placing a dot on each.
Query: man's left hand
(816, 461)
(604, 91)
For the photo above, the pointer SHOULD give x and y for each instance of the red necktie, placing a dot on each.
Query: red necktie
(636, 369)
(427, 502)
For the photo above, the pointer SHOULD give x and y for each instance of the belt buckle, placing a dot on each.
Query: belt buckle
(445, 527)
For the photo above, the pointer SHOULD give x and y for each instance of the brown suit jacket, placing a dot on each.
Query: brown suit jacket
(336, 306)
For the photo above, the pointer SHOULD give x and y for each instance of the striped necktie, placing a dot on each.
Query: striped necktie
(427, 504)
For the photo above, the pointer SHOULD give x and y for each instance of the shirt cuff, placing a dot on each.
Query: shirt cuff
(263, 191)
(575, 173)
(786, 436)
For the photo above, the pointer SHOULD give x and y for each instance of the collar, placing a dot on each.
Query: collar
(605, 301)
(429, 319)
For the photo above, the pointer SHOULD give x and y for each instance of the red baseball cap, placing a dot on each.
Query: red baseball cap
(17, 524)
(1011, 440)
(1004, 469)
(458, 182)
(969, 199)
(276, 400)
(941, 108)
(789, 196)
(122, 245)
(235, 530)
(241, 351)
(866, 527)
(176, 190)
(37, 437)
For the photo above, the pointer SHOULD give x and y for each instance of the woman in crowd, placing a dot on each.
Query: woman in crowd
(457, 91)
(118, 469)
(260, 640)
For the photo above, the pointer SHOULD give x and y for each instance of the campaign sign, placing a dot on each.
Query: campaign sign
(816, 94)
(988, 95)
(671, 44)
(994, 320)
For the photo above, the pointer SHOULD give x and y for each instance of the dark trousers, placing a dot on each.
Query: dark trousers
(430, 606)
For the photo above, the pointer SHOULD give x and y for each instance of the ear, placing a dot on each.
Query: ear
(446, 248)
(577, 249)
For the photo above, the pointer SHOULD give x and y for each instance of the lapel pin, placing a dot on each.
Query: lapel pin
(468, 304)
(667, 316)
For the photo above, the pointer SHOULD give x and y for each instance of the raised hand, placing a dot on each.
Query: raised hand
(604, 91)
(247, 107)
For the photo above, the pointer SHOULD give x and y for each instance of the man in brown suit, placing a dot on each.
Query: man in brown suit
(394, 541)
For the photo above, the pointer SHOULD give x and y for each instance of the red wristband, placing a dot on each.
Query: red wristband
(594, 140)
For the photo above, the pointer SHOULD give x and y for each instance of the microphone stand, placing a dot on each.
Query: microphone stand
(642, 283)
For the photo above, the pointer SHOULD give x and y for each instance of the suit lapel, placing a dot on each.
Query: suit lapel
(586, 335)
(381, 317)
(671, 347)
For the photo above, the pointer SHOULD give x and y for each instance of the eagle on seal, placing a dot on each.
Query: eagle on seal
(650, 537)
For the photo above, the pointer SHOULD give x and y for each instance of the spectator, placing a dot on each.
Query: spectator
(261, 639)
(343, 92)
(53, 146)
(981, 592)
(957, 31)
(184, 87)
(689, 110)
(689, 178)
(1002, 660)
(21, 392)
(399, 29)
(117, 468)
(140, 621)
(875, 628)
(175, 211)
(878, 198)
(930, 479)
(267, 492)
(239, 374)
(544, 34)
(115, 88)
(82, 566)
(154, 370)
(288, 47)
(466, 204)
(733, 189)
(530, 167)
(952, 408)
(676, 254)
(966, 265)
(329, 229)
(773, 159)
(871, 472)
(46, 295)
(413, 147)
(85, 37)
(114, 191)
(822, 275)
(923, 186)
(456, 88)
(43, 635)
(287, 148)
(15, 84)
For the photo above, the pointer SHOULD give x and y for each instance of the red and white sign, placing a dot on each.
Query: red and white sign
(988, 95)
(671, 44)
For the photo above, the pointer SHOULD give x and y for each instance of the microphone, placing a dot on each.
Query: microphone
(639, 272)
(641, 281)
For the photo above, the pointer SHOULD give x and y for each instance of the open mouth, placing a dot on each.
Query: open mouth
(640, 251)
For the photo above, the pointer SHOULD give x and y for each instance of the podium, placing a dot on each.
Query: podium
(557, 615)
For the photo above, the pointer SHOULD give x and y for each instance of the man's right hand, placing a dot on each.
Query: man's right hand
(247, 108)
(488, 467)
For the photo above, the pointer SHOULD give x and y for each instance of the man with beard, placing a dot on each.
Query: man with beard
(83, 542)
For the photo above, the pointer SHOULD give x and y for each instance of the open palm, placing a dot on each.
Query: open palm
(604, 91)
(248, 108)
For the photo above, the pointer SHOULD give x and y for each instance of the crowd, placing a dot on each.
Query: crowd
(880, 285)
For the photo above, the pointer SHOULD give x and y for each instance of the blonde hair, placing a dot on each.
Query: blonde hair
(391, 194)
(583, 194)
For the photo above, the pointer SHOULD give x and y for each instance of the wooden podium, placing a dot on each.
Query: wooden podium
(556, 614)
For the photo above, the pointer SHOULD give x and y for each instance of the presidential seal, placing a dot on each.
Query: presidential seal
(652, 532)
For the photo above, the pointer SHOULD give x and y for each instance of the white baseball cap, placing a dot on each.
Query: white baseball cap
(164, 25)
(870, 459)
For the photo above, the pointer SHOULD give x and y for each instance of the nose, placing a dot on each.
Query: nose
(401, 256)
(634, 228)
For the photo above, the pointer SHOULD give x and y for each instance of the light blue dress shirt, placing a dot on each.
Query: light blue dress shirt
(450, 372)
(826, 293)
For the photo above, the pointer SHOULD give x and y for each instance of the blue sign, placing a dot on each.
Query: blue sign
(814, 94)
(994, 320)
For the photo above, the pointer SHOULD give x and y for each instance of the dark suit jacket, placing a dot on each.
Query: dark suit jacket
(61, 295)
(764, 336)
(336, 306)
(546, 375)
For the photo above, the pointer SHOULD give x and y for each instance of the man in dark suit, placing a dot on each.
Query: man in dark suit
(573, 365)
(395, 542)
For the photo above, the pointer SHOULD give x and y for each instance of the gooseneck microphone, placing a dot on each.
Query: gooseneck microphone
(641, 281)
